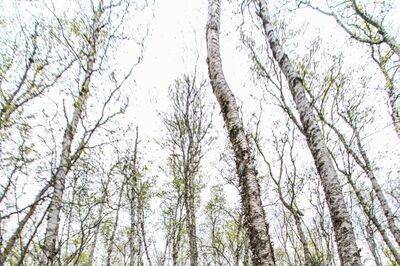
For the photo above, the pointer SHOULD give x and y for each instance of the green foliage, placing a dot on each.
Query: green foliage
(75, 28)
(317, 259)
(107, 227)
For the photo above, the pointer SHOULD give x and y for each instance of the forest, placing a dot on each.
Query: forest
(200, 132)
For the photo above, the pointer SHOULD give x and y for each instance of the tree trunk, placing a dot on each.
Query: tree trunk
(365, 207)
(372, 244)
(115, 227)
(191, 218)
(133, 204)
(96, 233)
(390, 216)
(345, 238)
(53, 218)
(255, 218)
(367, 167)
(303, 239)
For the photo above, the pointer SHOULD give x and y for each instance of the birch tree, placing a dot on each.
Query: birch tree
(341, 220)
(53, 218)
(342, 113)
(188, 129)
(95, 36)
(255, 218)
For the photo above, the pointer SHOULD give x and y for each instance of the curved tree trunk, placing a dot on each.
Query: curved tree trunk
(345, 238)
(255, 218)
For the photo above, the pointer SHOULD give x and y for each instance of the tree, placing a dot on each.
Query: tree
(255, 218)
(288, 181)
(341, 220)
(53, 217)
(188, 127)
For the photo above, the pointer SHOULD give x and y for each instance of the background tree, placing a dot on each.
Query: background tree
(187, 127)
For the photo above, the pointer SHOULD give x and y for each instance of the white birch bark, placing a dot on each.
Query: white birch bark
(387, 210)
(255, 218)
(345, 238)
(53, 217)
(382, 231)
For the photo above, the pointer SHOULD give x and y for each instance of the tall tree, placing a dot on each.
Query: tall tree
(255, 218)
(93, 40)
(187, 128)
(345, 238)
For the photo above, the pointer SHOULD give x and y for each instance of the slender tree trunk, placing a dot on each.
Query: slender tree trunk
(53, 218)
(303, 240)
(367, 167)
(132, 232)
(255, 218)
(390, 216)
(133, 204)
(96, 233)
(114, 230)
(382, 231)
(345, 238)
(143, 233)
(190, 217)
(372, 244)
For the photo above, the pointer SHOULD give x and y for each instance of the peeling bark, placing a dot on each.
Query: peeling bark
(255, 218)
(345, 238)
